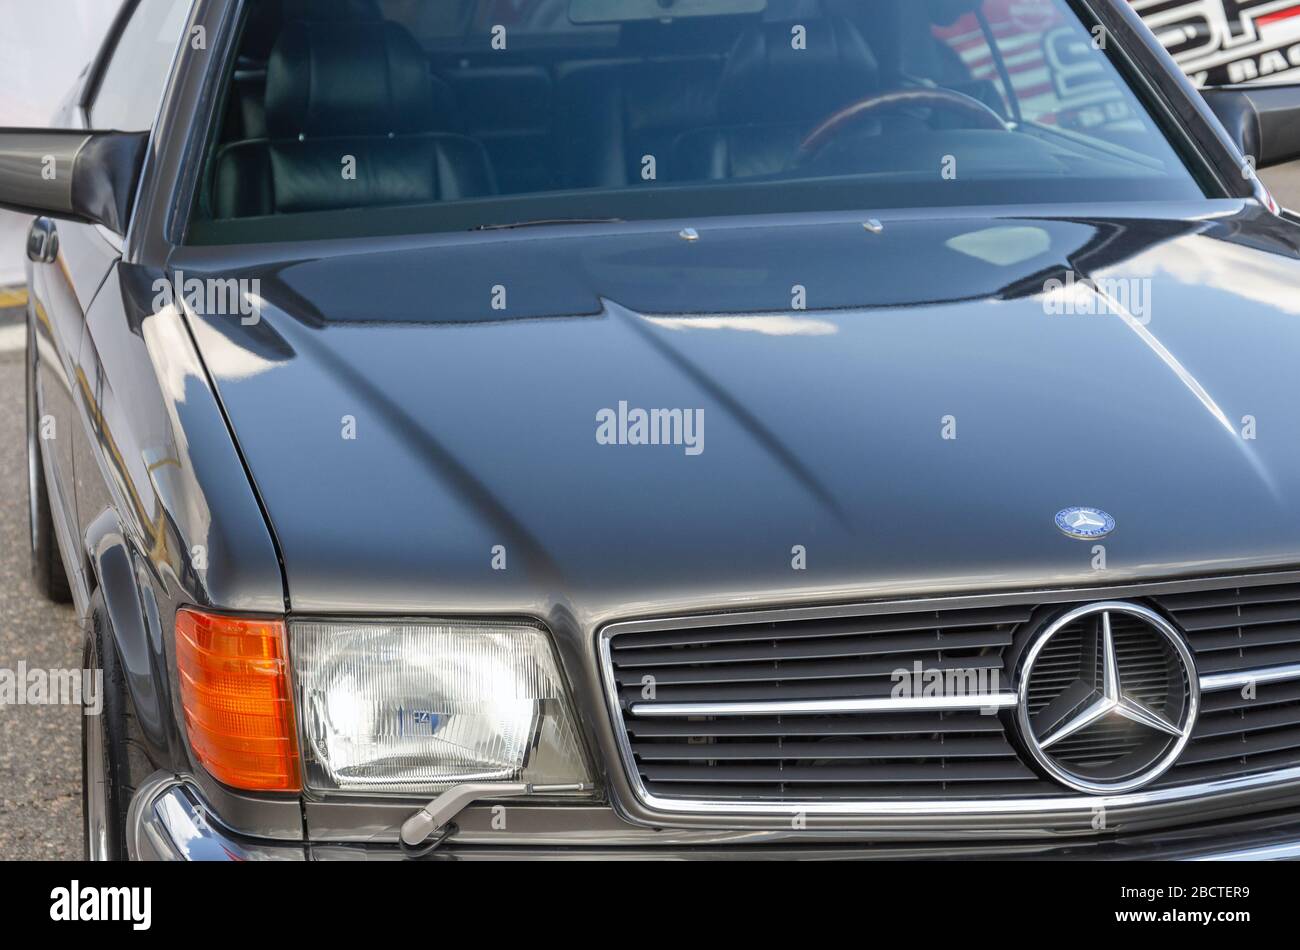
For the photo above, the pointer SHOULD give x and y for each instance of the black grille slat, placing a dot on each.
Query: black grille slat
(800, 670)
(892, 623)
(807, 649)
(1014, 788)
(1237, 629)
(883, 749)
(1230, 768)
(1268, 594)
(1246, 637)
(1234, 746)
(1246, 616)
(1244, 720)
(991, 771)
(892, 724)
(1227, 663)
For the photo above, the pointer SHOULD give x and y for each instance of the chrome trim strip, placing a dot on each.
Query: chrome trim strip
(883, 704)
(1214, 682)
(1287, 850)
(144, 839)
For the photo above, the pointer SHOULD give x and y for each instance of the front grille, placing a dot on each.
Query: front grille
(798, 757)
(941, 755)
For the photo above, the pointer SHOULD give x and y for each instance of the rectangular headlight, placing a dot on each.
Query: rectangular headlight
(412, 708)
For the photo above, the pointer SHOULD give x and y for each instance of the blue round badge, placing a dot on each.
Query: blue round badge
(1086, 524)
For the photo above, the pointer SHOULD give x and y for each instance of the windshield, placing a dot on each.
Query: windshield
(440, 115)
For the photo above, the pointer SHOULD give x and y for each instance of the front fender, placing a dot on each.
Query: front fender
(135, 628)
(137, 613)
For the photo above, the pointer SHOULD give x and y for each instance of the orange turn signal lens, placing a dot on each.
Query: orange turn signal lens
(234, 675)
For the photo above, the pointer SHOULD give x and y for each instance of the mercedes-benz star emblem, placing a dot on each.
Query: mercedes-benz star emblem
(1108, 697)
(1085, 524)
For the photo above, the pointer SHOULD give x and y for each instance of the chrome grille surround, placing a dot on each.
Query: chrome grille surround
(1270, 779)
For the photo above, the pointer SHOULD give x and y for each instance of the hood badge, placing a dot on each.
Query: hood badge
(1085, 524)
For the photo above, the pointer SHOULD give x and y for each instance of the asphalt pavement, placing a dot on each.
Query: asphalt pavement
(40, 746)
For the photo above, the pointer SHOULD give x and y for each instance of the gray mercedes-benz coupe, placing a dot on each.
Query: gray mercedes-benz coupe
(668, 427)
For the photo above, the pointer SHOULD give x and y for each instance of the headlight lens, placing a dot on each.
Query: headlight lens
(415, 707)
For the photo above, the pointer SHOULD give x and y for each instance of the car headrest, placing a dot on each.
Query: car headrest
(267, 17)
(767, 78)
(347, 79)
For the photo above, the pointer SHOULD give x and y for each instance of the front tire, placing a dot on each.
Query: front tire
(105, 790)
(47, 567)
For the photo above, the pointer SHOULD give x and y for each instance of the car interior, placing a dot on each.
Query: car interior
(545, 101)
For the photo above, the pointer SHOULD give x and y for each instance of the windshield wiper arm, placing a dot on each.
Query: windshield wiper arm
(543, 222)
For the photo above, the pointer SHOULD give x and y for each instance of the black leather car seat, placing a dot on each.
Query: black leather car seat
(772, 94)
(613, 111)
(246, 115)
(338, 88)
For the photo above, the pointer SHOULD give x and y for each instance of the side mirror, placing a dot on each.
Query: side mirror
(1264, 121)
(82, 176)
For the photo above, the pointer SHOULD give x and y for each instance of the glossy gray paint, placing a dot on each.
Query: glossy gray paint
(822, 427)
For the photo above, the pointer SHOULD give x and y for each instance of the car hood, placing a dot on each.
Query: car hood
(421, 417)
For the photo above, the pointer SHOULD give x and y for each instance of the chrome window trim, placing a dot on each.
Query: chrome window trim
(1067, 808)
(146, 167)
(200, 119)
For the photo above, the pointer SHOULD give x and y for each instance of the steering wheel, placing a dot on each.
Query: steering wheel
(980, 115)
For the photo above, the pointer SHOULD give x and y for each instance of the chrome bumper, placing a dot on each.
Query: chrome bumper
(168, 821)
